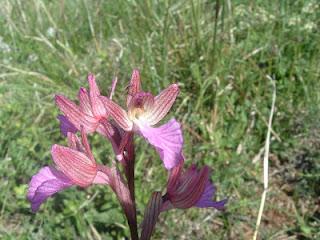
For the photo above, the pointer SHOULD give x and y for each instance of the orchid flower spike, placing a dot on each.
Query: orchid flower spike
(144, 112)
(191, 188)
(75, 165)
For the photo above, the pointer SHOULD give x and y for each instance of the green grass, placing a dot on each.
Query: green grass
(220, 54)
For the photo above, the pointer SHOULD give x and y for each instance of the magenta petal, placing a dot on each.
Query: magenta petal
(167, 140)
(206, 198)
(44, 184)
(66, 126)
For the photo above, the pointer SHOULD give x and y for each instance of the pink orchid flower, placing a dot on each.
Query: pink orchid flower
(75, 165)
(144, 112)
(90, 114)
(191, 188)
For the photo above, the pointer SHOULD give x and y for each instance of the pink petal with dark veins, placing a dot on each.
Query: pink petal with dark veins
(85, 104)
(75, 115)
(119, 115)
(162, 104)
(134, 86)
(74, 164)
(97, 106)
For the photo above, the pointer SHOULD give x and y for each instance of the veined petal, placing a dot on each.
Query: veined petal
(44, 184)
(134, 86)
(75, 115)
(119, 115)
(174, 176)
(167, 140)
(191, 188)
(97, 106)
(66, 126)
(84, 100)
(74, 164)
(162, 104)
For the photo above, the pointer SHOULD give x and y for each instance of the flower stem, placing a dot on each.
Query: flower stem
(129, 170)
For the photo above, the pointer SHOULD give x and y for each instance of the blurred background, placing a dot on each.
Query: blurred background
(220, 52)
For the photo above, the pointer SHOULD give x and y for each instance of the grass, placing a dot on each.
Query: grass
(220, 53)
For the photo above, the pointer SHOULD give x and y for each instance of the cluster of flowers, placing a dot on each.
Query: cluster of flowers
(75, 165)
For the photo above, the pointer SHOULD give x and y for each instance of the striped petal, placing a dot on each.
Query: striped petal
(174, 176)
(75, 115)
(74, 142)
(134, 86)
(84, 100)
(119, 115)
(191, 188)
(167, 140)
(162, 104)
(74, 164)
(97, 106)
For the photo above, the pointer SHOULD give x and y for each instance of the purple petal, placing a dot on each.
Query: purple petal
(167, 140)
(66, 126)
(206, 198)
(44, 184)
